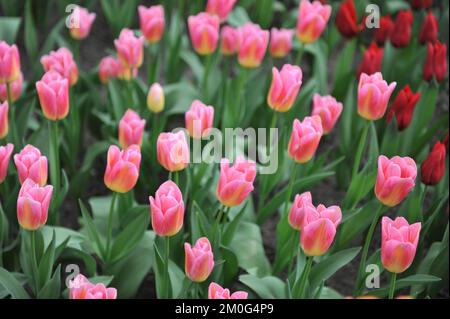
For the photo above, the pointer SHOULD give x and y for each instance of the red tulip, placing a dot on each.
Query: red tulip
(433, 168)
(372, 59)
(429, 30)
(421, 4)
(436, 62)
(403, 107)
(401, 34)
(383, 33)
(346, 20)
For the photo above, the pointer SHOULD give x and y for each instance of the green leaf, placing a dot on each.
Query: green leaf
(46, 264)
(30, 37)
(9, 27)
(52, 287)
(91, 230)
(238, 17)
(406, 282)
(230, 267)
(12, 285)
(265, 288)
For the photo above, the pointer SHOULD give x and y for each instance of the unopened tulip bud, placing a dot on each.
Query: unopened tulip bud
(433, 168)
(81, 23)
(151, 21)
(61, 62)
(172, 151)
(280, 42)
(131, 129)
(130, 49)
(284, 88)
(53, 92)
(155, 98)
(302, 205)
(9, 63)
(328, 109)
(204, 32)
(199, 260)
(122, 169)
(312, 20)
(32, 165)
(305, 139)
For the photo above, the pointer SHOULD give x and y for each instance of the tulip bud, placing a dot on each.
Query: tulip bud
(15, 87)
(436, 62)
(285, 87)
(199, 119)
(328, 109)
(172, 151)
(433, 168)
(236, 181)
(302, 206)
(131, 129)
(109, 67)
(372, 59)
(403, 107)
(230, 39)
(253, 45)
(220, 8)
(421, 4)
(401, 33)
(167, 209)
(373, 96)
(398, 243)
(32, 205)
(395, 179)
(4, 120)
(346, 20)
(61, 61)
(199, 261)
(81, 288)
(312, 20)
(122, 169)
(53, 92)
(130, 49)
(5, 156)
(81, 23)
(151, 21)
(9, 63)
(31, 165)
(155, 98)
(280, 42)
(215, 291)
(429, 30)
(383, 33)
(305, 139)
(204, 32)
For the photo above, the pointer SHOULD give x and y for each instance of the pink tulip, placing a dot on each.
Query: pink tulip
(155, 98)
(172, 151)
(398, 243)
(328, 109)
(109, 67)
(81, 23)
(220, 8)
(204, 32)
(32, 205)
(215, 291)
(373, 96)
(167, 209)
(151, 21)
(230, 38)
(235, 182)
(280, 42)
(31, 165)
(199, 261)
(9, 63)
(253, 45)
(312, 20)
(130, 49)
(395, 179)
(301, 207)
(285, 87)
(199, 119)
(16, 89)
(131, 129)
(5, 156)
(53, 92)
(319, 229)
(81, 288)
(4, 120)
(122, 169)
(61, 61)
(305, 139)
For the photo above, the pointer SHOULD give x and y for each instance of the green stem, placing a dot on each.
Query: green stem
(300, 53)
(392, 286)
(291, 243)
(196, 286)
(207, 69)
(55, 170)
(176, 178)
(34, 261)
(166, 265)
(290, 188)
(12, 121)
(305, 275)
(273, 123)
(110, 224)
(360, 149)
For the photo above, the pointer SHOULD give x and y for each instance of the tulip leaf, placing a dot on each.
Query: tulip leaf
(406, 282)
(31, 37)
(12, 285)
(45, 266)
(91, 230)
(266, 287)
(9, 26)
(52, 287)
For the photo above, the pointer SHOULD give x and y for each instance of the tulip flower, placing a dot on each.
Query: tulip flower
(280, 42)
(204, 32)
(436, 62)
(220, 8)
(429, 30)
(398, 243)
(5, 156)
(328, 109)
(215, 291)
(151, 21)
(31, 165)
(253, 45)
(167, 209)
(230, 39)
(236, 181)
(373, 96)
(81, 23)
(199, 119)
(305, 139)
(421, 4)
(372, 59)
(403, 107)
(199, 260)
(172, 151)
(401, 33)
(122, 169)
(395, 179)
(9, 63)
(433, 168)
(155, 98)
(53, 92)
(312, 20)
(383, 33)
(81, 288)
(32, 205)
(346, 19)
(61, 61)
(15, 87)
(131, 129)
(109, 67)
(301, 207)
(285, 87)
(4, 120)
(130, 49)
